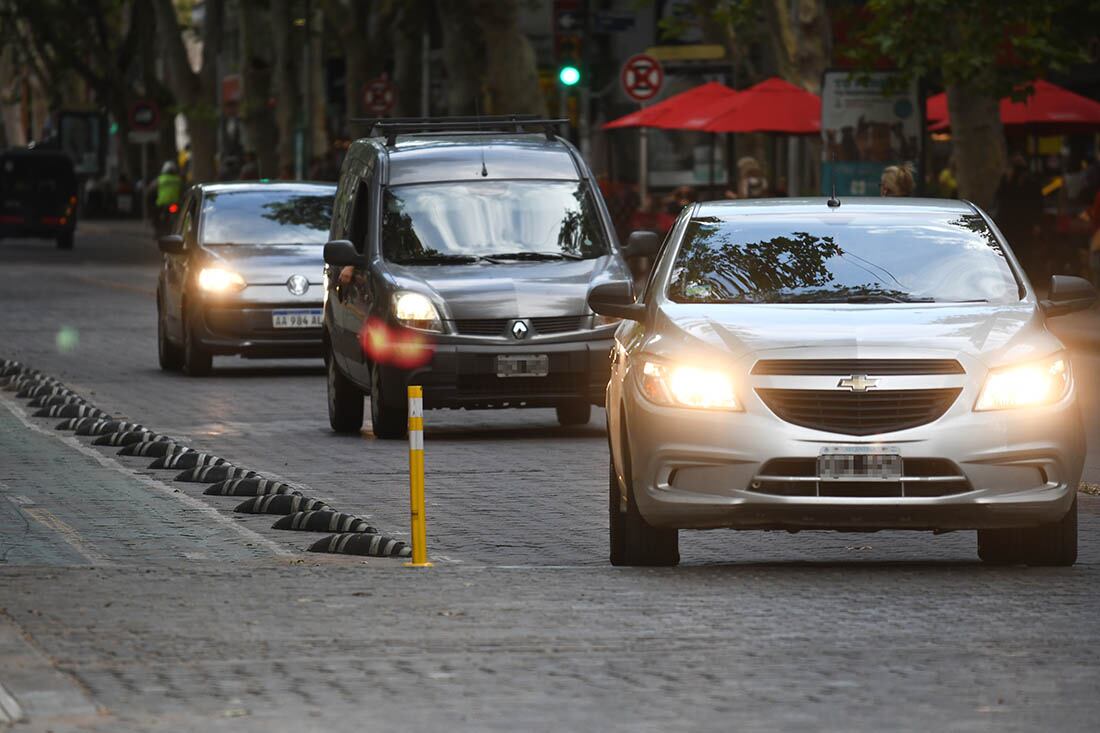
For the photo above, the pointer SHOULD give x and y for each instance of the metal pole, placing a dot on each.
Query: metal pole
(144, 181)
(643, 164)
(425, 71)
(416, 479)
(793, 168)
(584, 130)
(307, 137)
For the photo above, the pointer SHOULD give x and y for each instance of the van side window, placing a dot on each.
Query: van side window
(360, 209)
(187, 227)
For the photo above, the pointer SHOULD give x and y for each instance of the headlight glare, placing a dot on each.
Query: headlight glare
(1027, 385)
(416, 310)
(687, 386)
(220, 280)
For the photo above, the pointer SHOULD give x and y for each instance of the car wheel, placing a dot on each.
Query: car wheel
(633, 540)
(197, 361)
(1053, 544)
(345, 400)
(169, 354)
(574, 413)
(65, 240)
(387, 421)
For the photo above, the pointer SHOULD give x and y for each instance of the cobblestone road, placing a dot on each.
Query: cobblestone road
(152, 607)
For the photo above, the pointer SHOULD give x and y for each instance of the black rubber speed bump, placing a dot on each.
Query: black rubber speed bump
(76, 422)
(126, 437)
(360, 543)
(102, 427)
(187, 460)
(324, 521)
(251, 487)
(280, 504)
(61, 399)
(39, 389)
(9, 367)
(72, 411)
(154, 448)
(206, 474)
(24, 380)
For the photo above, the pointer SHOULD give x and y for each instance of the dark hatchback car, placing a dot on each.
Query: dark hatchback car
(242, 274)
(38, 195)
(476, 249)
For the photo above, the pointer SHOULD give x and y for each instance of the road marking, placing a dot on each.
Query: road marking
(163, 488)
(111, 285)
(70, 535)
(10, 712)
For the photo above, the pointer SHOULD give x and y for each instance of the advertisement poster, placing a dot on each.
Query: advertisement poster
(864, 129)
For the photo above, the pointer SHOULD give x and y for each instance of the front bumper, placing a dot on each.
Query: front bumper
(701, 469)
(245, 329)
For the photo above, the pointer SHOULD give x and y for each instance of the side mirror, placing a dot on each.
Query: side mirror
(641, 244)
(341, 253)
(1068, 294)
(615, 299)
(170, 244)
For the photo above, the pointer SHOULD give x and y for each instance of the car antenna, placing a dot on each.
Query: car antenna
(833, 202)
(481, 145)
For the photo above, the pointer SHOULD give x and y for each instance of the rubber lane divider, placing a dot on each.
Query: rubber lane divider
(102, 427)
(206, 474)
(43, 389)
(63, 399)
(280, 504)
(324, 521)
(153, 449)
(126, 437)
(84, 410)
(359, 543)
(251, 487)
(75, 422)
(188, 460)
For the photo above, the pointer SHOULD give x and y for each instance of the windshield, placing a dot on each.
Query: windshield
(942, 257)
(498, 221)
(266, 217)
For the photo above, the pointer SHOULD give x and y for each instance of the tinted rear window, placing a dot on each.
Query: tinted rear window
(266, 217)
(888, 257)
(37, 174)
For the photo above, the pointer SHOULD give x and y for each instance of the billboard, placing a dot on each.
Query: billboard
(867, 125)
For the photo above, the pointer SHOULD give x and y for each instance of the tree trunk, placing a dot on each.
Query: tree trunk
(256, 115)
(462, 57)
(318, 144)
(287, 91)
(978, 142)
(511, 79)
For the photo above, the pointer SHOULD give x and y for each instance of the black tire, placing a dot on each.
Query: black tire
(65, 239)
(169, 355)
(1053, 544)
(574, 413)
(633, 540)
(197, 361)
(388, 422)
(345, 400)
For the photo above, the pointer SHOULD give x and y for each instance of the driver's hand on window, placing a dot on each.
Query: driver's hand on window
(345, 275)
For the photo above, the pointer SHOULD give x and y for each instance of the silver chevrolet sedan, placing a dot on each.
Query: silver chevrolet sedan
(854, 365)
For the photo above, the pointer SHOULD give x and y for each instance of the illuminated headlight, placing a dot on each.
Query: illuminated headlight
(1027, 385)
(416, 311)
(220, 280)
(687, 386)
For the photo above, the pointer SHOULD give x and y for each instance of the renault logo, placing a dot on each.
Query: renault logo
(857, 383)
(519, 330)
(297, 284)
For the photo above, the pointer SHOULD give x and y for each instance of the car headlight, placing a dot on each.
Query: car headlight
(688, 386)
(1026, 385)
(416, 311)
(220, 280)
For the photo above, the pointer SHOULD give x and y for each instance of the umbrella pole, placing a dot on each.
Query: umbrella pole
(713, 152)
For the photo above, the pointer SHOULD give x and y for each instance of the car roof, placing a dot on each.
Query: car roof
(428, 157)
(916, 207)
(285, 186)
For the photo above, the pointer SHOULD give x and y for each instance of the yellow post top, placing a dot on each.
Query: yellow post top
(415, 391)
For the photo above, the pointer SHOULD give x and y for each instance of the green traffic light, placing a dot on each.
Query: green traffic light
(569, 75)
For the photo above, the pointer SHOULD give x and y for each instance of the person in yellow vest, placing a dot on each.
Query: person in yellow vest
(169, 187)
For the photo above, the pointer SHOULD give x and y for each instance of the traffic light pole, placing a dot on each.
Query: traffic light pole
(584, 128)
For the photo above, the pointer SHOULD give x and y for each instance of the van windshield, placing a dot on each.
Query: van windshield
(495, 221)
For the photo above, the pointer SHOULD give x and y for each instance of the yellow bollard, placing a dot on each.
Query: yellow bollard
(416, 480)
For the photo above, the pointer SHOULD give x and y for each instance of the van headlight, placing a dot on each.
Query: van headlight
(1026, 385)
(416, 310)
(688, 386)
(220, 280)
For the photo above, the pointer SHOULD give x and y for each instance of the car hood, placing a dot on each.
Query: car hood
(511, 290)
(271, 264)
(989, 333)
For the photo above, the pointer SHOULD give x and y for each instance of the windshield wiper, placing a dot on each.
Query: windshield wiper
(440, 259)
(540, 256)
(878, 297)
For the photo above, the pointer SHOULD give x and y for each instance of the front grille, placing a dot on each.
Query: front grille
(558, 324)
(922, 478)
(542, 325)
(481, 326)
(843, 367)
(859, 413)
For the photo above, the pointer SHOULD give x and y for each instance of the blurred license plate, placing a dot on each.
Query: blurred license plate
(841, 462)
(523, 365)
(297, 318)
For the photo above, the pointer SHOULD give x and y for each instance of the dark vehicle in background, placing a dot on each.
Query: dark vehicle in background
(38, 195)
(242, 274)
(476, 243)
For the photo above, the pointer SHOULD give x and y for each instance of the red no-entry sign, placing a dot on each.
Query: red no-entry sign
(642, 77)
(379, 96)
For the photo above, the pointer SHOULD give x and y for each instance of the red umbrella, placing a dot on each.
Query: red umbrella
(773, 105)
(1049, 107)
(674, 107)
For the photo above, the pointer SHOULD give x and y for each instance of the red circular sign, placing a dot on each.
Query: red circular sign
(144, 115)
(379, 96)
(642, 77)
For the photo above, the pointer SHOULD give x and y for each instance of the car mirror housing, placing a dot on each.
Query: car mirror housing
(641, 244)
(615, 299)
(170, 244)
(342, 253)
(1068, 294)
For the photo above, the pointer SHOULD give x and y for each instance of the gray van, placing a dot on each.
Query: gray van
(462, 254)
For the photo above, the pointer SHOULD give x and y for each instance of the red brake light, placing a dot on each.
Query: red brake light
(173, 208)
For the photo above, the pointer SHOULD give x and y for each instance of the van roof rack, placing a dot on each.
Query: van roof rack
(391, 127)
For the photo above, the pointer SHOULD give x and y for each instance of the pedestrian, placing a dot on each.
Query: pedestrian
(897, 180)
(1019, 214)
(948, 185)
(751, 181)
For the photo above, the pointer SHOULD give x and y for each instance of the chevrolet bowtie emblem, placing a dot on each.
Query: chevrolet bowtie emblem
(857, 383)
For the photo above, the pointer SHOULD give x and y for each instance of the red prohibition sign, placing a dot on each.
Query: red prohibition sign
(379, 96)
(642, 77)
